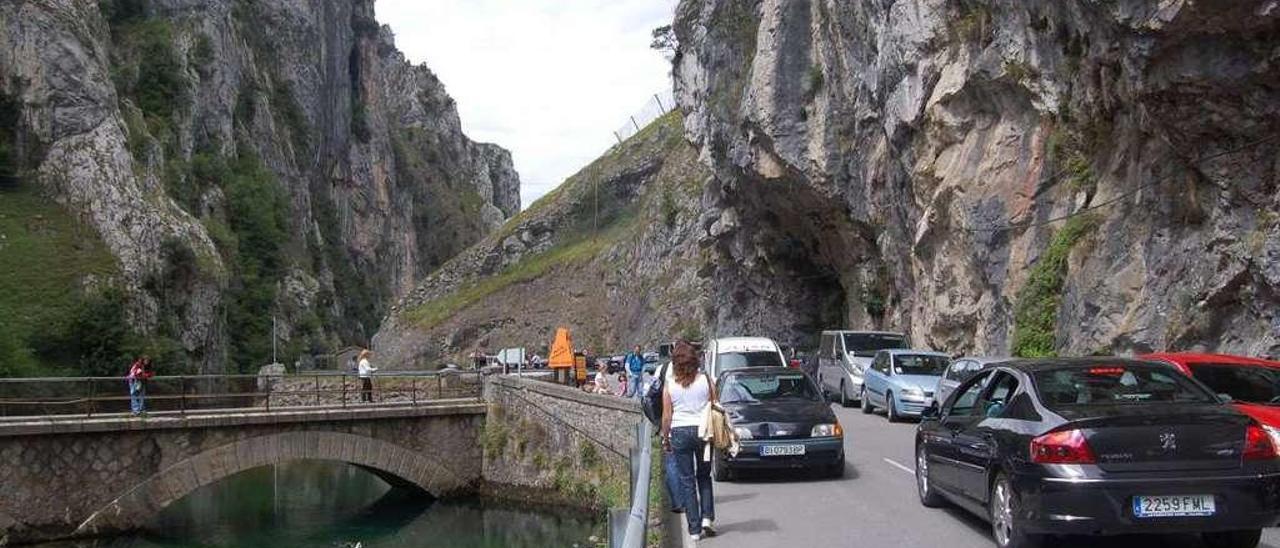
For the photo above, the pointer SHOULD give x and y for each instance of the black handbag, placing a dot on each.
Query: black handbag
(651, 401)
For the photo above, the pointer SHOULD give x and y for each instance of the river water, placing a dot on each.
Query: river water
(335, 505)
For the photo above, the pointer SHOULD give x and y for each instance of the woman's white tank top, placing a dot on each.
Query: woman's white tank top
(688, 403)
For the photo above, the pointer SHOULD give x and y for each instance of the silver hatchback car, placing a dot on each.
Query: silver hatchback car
(959, 371)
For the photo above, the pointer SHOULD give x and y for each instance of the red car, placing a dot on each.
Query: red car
(1252, 383)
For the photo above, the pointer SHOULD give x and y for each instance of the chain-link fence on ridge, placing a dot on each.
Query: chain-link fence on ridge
(658, 105)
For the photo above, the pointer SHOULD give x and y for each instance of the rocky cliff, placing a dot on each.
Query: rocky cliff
(611, 254)
(990, 176)
(235, 160)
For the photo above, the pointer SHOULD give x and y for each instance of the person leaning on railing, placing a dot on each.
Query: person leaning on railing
(365, 371)
(139, 372)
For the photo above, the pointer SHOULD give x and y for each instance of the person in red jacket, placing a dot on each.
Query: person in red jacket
(139, 372)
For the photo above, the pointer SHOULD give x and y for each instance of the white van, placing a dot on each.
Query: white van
(722, 355)
(843, 356)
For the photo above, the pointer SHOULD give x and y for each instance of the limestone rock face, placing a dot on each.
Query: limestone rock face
(909, 164)
(128, 111)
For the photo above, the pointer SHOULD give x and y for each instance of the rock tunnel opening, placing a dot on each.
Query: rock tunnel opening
(798, 264)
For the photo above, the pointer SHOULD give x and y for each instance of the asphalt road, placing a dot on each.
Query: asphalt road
(875, 504)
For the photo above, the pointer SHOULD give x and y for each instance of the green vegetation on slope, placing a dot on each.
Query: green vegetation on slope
(579, 198)
(1036, 313)
(60, 311)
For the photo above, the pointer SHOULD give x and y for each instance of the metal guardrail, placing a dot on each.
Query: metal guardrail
(91, 396)
(629, 530)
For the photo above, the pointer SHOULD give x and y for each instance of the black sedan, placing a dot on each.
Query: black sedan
(1098, 446)
(781, 421)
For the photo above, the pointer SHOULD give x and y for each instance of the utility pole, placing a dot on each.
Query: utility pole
(273, 340)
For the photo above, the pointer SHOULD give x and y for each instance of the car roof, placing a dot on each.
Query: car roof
(745, 344)
(1187, 358)
(1034, 364)
(902, 351)
(984, 360)
(760, 371)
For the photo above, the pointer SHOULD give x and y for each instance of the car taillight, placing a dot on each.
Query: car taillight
(1062, 447)
(1258, 444)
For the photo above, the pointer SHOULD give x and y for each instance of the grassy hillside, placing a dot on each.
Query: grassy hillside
(47, 260)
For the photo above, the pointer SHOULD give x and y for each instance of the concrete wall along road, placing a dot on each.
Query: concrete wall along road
(552, 443)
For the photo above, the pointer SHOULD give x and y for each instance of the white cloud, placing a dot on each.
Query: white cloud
(548, 79)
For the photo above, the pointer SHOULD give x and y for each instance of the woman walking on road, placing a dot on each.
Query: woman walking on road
(686, 399)
(366, 376)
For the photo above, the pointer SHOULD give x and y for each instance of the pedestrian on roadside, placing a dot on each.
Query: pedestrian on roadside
(635, 371)
(686, 400)
(365, 371)
(603, 384)
(139, 371)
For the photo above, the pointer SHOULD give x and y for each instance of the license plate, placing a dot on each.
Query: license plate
(781, 450)
(1164, 506)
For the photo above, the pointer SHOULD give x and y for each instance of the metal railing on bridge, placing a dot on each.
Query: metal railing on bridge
(180, 395)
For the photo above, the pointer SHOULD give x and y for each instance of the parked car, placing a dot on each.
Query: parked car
(959, 371)
(731, 353)
(1252, 384)
(902, 382)
(1098, 446)
(781, 421)
(843, 357)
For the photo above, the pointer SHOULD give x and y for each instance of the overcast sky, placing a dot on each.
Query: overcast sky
(548, 79)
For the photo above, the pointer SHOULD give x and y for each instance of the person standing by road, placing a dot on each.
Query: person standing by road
(635, 371)
(139, 372)
(686, 400)
(365, 371)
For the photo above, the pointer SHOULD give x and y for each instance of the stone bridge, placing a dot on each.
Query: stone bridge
(65, 477)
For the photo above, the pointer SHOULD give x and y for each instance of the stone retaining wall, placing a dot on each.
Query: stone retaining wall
(557, 444)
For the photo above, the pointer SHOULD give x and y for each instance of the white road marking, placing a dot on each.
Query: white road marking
(899, 466)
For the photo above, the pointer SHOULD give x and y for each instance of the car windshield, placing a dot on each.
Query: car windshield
(871, 342)
(738, 360)
(1112, 384)
(1249, 383)
(918, 364)
(757, 388)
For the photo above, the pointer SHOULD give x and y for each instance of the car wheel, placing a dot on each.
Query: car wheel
(1003, 509)
(844, 396)
(892, 411)
(1233, 539)
(928, 497)
(867, 408)
(719, 470)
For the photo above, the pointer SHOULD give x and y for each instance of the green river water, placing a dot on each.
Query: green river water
(335, 505)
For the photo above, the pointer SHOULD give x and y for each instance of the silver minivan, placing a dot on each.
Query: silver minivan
(843, 356)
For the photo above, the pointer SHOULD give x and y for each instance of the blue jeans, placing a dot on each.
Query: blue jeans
(695, 477)
(633, 385)
(672, 480)
(137, 393)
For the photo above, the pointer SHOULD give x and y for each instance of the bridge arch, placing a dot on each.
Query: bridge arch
(395, 464)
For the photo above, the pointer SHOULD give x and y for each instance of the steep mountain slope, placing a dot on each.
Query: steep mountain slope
(612, 254)
(235, 160)
(991, 175)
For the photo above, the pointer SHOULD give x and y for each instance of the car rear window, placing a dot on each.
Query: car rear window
(1116, 384)
(755, 388)
(738, 360)
(1242, 382)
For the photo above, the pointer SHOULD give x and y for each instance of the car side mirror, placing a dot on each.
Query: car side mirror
(1226, 398)
(932, 412)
